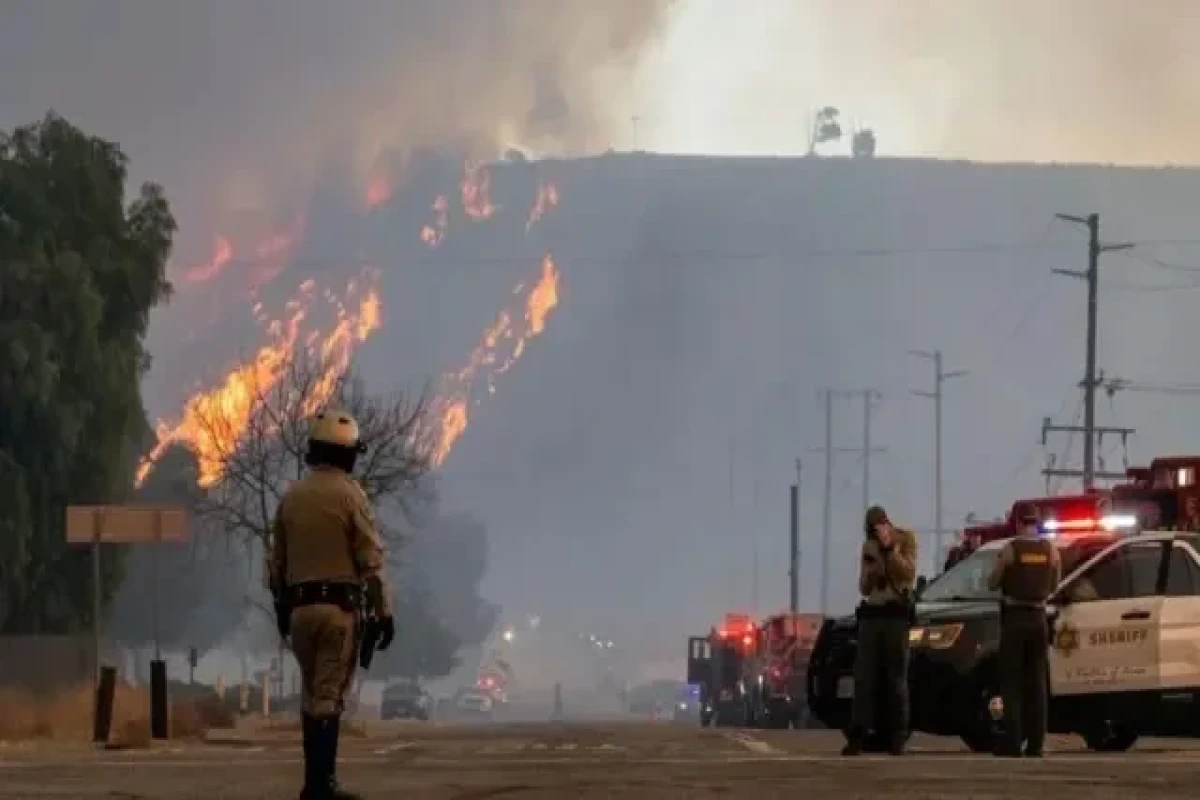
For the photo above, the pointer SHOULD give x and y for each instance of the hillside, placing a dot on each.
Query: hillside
(704, 301)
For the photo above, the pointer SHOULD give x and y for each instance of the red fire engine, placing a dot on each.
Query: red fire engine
(1164, 495)
(774, 676)
(716, 664)
(1076, 511)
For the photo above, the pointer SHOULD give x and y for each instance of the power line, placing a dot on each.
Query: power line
(869, 398)
(940, 376)
(446, 256)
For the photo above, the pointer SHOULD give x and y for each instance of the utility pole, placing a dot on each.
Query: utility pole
(794, 543)
(940, 376)
(1097, 432)
(865, 452)
(1092, 277)
(869, 398)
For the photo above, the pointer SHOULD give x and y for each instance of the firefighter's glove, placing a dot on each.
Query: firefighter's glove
(283, 618)
(387, 632)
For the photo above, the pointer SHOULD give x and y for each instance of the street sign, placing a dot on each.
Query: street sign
(126, 524)
(153, 525)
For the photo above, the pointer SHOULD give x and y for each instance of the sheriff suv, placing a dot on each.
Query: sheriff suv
(1124, 662)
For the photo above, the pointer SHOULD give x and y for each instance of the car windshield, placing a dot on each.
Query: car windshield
(967, 580)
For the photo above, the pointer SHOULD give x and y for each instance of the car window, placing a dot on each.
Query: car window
(1183, 575)
(1130, 571)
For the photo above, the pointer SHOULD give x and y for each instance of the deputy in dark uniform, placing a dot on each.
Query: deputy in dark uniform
(887, 572)
(1026, 573)
(325, 554)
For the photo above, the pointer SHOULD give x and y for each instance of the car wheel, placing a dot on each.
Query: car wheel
(983, 731)
(1110, 737)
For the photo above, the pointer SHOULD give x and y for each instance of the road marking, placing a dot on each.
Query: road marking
(1023, 767)
(395, 747)
(750, 743)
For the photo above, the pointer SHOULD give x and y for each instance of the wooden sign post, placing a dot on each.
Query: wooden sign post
(97, 525)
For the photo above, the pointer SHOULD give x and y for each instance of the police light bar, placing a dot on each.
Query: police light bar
(1110, 523)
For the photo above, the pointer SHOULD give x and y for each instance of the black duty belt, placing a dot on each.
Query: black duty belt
(311, 593)
(1030, 605)
(894, 609)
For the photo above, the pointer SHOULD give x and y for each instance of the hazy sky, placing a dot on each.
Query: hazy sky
(277, 114)
(1105, 81)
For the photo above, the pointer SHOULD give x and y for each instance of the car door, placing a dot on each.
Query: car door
(1179, 642)
(1106, 632)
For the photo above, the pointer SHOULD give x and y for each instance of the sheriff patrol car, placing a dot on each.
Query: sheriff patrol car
(1125, 655)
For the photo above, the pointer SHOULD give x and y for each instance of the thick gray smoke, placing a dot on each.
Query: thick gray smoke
(1079, 80)
(234, 105)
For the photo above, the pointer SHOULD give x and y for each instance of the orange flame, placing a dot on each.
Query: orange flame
(222, 256)
(271, 255)
(379, 190)
(477, 192)
(234, 400)
(547, 198)
(499, 348)
(433, 235)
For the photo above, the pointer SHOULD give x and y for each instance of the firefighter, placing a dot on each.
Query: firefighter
(888, 571)
(325, 554)
(1027, 570)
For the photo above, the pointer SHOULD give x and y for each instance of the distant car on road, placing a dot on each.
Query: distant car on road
(473, 704)
(405, 701)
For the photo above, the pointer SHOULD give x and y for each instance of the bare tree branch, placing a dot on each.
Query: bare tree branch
(259, 446)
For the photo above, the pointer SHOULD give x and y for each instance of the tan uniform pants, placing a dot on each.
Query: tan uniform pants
(325, 643)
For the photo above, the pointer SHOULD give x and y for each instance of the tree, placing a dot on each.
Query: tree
(825, 128)
(80, 270)
(256, 449)
(196, 590)
(425, 647)
(451, 551)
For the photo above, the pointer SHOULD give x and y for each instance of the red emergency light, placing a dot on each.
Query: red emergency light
(1114, 523)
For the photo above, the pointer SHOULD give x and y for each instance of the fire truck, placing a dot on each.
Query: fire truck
(774, 674)
(494, 678)
(1163, 496)
(1079, 510)
(716, 663)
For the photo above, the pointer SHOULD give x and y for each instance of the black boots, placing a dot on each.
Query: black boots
(854, 742)
(320, 760)
(859, 741)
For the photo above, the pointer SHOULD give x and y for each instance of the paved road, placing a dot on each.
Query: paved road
(596, 761)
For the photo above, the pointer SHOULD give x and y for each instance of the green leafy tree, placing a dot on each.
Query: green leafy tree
(80, 270)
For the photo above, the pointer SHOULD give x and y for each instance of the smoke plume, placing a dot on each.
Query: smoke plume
(1079, 80)
(233, 105)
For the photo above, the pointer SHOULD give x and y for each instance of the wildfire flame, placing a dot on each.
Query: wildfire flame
(233, 401)
(477, 192)
(379, 190)
(433, 235)
(356, 315)
(499, 348)
(222, 255)
(270, 256)
(547, 198)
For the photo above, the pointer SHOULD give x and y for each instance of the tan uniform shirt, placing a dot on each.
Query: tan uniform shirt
(325, 530)
(885, 577)
(1007, 559)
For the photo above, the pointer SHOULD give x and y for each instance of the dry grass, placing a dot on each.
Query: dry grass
(67, 716)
